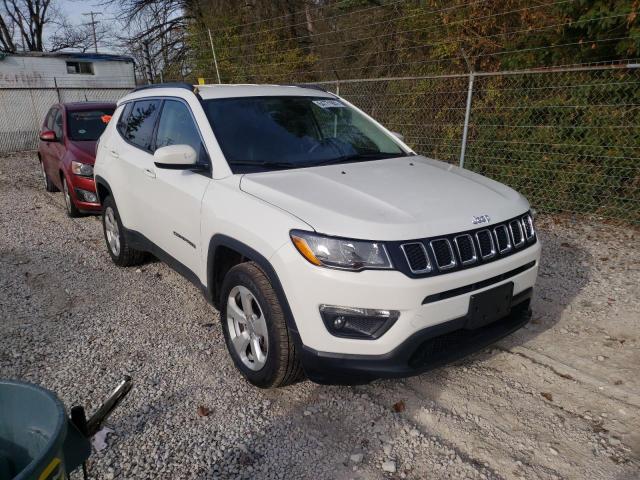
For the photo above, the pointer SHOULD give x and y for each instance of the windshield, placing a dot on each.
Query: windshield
(88, 125)
(264, 133)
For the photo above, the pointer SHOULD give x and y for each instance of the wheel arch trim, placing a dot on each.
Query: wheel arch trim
(101, 182)
(220, 240)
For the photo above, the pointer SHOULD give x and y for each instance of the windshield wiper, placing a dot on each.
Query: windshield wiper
(266, 164)
(358, 157)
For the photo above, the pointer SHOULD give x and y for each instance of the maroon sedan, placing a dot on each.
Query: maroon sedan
(67, 151)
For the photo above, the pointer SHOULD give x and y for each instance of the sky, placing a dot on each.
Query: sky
(74, 10)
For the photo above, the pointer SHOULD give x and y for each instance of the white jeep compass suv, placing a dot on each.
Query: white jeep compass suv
(329, 247)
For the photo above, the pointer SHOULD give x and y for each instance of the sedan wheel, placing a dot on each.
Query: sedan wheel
(67, 197)
(247, 328)
(112, 231)
(44, 176)
(72, 210)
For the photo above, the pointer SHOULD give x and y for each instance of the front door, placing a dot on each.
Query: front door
(177, 194)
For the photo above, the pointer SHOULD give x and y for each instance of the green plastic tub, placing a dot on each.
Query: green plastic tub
(37, 440)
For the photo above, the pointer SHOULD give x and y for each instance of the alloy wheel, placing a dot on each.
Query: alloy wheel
(44, 175)
(112, 231)
(67, 197)
(247, 328)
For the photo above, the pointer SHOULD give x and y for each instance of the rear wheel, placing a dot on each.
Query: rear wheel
(255, 329)
(72, 210)
(117, 244)
(48, 184)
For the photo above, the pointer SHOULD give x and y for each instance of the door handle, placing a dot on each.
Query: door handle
(149, 173)
(114, 154)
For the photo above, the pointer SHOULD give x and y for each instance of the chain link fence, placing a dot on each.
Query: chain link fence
(22, 110)
(568, 139)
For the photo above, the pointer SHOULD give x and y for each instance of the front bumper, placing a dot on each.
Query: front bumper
(424, 350)
(88, 184)
(306, 287)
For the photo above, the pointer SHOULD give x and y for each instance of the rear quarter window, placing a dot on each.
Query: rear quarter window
(138, 123)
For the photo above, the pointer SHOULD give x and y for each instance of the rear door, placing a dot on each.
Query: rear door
(131, 153)
(177, 194)
(46, 148)
(56, 149)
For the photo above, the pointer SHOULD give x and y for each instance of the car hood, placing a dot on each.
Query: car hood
(394, 199)
(83, 151)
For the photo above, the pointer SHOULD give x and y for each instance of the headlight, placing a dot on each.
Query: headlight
(340, 252)
(82, 169)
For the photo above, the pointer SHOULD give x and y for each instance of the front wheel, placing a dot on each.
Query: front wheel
(48, 184)
(72, 210)
(255, 329)
(117, 243)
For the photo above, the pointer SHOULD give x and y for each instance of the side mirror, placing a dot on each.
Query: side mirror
(48, 136)
(175, 157)
(399, 136)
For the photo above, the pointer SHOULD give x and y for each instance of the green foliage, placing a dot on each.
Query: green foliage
(568, 141)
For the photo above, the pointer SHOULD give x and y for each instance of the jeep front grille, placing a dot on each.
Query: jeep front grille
(417, 257)
(432, 256)
(466, 249)
(517, 235)
(443, 254)
(503, 241)
(486, 244)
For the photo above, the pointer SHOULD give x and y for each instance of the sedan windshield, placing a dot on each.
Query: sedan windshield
(266, 133)
(88, 125)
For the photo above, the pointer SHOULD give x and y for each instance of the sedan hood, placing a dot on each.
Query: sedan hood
(394, 199)
(83, 151)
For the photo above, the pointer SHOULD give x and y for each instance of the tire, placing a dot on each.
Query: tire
(279, 365)
(72, 210)
(48, 184)
(117, 244)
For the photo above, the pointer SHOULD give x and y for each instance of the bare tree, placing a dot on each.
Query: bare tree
(79, 37)
(7, 31)
(154, 35)
(29, 18)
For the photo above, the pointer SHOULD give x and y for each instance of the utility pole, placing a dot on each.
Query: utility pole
(93, 24)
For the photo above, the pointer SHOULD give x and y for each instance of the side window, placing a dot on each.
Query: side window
(48, 121)
(123, 118)
(57, 124)
(176, 127)
(141, 122)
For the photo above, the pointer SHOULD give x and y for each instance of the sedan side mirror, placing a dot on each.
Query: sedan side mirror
(399, 136)
(175, 157)
(48, 136)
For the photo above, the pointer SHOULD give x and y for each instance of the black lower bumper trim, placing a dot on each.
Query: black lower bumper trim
(424, 350)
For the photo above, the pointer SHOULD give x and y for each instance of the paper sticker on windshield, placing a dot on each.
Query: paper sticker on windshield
(329, 104)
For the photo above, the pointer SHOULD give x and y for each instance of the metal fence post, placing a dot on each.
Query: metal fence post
(467, 115)
(213, 51)
(55, 84)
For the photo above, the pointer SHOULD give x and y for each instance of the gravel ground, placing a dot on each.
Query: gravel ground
(559, 399)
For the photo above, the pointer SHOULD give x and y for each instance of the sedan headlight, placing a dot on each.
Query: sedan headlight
(82, 169)
(340, 252)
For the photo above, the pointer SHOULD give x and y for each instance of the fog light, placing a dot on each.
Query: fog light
(86, 196)
(338, 322)
(351, 322)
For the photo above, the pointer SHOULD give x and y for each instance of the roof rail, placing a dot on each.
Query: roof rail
(310, 86)
(184, 85)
